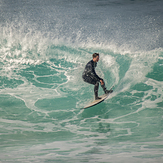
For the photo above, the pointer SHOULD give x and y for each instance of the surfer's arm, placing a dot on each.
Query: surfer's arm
(90, 70)
(93, 73)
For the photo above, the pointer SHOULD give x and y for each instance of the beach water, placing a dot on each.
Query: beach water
(44, 47)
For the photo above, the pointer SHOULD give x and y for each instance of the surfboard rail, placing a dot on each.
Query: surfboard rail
(95, 102)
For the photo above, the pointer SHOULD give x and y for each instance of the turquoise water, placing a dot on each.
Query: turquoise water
(44, 47)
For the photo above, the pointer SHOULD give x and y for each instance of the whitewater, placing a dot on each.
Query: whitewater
(44, 47)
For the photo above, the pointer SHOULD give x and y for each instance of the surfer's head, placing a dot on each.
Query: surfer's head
(95, 57)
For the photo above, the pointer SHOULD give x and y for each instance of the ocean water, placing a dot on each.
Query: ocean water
(44, 46)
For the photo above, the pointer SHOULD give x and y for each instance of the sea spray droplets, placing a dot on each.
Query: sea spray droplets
(111, 64)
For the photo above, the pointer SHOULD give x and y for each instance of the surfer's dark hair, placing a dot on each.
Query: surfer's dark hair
(95, 55)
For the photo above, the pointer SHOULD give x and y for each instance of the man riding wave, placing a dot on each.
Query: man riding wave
(89, 75)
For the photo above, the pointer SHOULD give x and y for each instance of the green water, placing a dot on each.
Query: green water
(40, 107)
(44, 47)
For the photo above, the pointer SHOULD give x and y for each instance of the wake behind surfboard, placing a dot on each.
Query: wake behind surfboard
(95, 102)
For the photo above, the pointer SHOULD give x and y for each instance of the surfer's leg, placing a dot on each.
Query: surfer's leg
(89, 80)
(105, 89)
(96, 91)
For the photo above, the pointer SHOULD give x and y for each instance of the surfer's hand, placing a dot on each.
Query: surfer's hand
(102, 82)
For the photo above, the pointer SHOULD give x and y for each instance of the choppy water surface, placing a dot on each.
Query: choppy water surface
(44, 47)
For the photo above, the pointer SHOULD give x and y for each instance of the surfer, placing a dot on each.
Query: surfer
(89, 75)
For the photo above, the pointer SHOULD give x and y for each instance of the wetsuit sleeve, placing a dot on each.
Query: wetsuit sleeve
(90, 71)
(93, 73)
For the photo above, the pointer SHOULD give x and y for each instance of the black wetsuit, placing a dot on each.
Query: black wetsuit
(89, 75)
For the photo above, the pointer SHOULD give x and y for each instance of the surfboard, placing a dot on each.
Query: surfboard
(95, 102)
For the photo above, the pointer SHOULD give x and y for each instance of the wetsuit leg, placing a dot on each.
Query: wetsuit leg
(89, 80)
(105, 89)
(96, 90)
